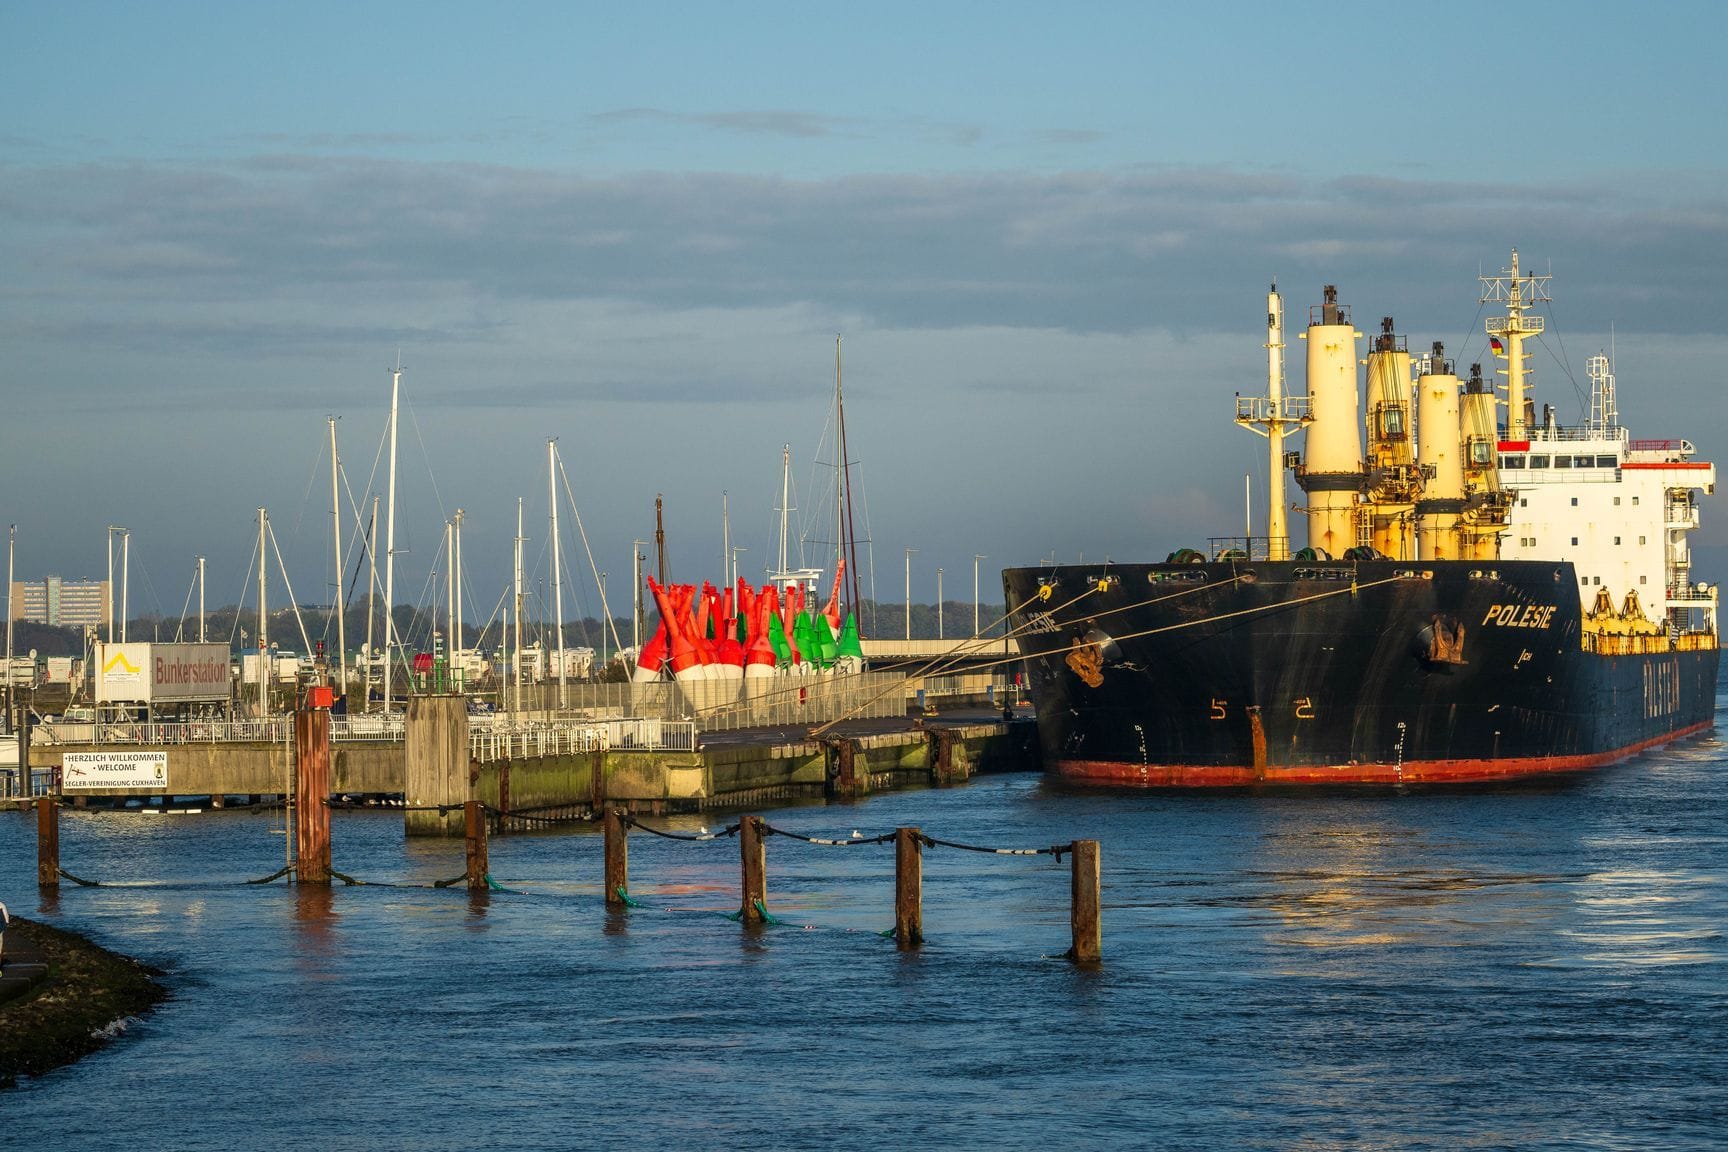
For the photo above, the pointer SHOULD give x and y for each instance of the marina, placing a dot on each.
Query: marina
(1534, 966)
(743, 577)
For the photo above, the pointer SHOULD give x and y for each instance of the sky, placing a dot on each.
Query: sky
(1043, 232)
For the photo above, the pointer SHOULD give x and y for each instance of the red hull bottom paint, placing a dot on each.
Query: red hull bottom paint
(1106, 773)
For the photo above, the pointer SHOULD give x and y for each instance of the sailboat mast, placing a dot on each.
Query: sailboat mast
(371, 596)
(390, 536)
(839, 467)
(850, 536)
(456, 576)
(449, 597)
(557, 567)
(516, 665)
(201, 637)
(336, 538)
(785, 499)
(263, 620)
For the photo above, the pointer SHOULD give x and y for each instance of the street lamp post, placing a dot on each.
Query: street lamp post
(975, 560)
(940, 635)
(909, 552)
(636, 547)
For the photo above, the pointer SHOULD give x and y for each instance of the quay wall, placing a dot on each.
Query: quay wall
(248, 769)
(731, 775)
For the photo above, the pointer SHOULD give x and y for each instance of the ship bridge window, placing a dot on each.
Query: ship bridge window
(1562, 461)
(1481, 453)
(1511, 461)
(1607, 462)
(1538, 461)
(1583, 461)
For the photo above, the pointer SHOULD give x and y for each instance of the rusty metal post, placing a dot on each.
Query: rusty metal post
(617, 857)
(47, 811)
(312, 795)
(596, 779)
(474, 832)
(908, 888)
(1084, 915)
(755, 858)
(943, 767)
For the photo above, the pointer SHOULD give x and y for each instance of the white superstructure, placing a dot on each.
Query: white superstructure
(1619, 509)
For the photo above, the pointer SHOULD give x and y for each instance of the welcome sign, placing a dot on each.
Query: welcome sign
(113, 771)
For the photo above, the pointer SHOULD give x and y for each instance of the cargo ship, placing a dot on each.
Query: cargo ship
(1484, 595)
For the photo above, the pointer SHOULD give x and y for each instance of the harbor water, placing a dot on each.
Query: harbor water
(1533, 967)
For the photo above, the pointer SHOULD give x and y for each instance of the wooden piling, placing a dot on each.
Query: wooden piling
(754, 851)
(474, 833)
(908, 888)
(617, 857)
(48, 841)
(1084, 916)
(312, 795)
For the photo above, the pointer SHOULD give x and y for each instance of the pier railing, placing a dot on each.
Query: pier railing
(497, 743)
(491, 739)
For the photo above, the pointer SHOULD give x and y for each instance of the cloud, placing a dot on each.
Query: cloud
(1066, 136)
(1100, 251)
(771, 122)
(797, 125)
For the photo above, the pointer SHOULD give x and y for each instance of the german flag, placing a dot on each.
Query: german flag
(1494, 343)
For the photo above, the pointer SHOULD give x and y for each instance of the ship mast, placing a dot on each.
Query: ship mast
(557, 569)
(336, 542)
(1270, 416)
(1516, 291)
(390, 536)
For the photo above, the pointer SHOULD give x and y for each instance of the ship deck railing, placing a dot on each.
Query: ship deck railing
(1252, 547)
(1519, 477)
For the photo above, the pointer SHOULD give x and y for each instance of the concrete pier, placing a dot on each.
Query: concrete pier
(738, 770)
(436, 765)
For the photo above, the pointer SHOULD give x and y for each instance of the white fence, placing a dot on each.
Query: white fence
(490, 737)
(565, 739)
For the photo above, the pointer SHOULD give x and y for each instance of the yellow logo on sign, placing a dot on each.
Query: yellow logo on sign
(124, 664)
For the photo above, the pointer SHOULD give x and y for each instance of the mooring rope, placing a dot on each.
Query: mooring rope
(729, 830)
(770, 830)
(1056, 850)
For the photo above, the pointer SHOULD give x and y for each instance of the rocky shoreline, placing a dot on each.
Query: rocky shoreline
(78, 997)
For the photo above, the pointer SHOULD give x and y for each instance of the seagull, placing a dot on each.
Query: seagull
(857, 835)
(703, 830)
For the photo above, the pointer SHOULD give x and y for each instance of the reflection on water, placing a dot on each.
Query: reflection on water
(1493, 968)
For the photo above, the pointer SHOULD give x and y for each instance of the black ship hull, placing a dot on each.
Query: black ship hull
(1314, 673)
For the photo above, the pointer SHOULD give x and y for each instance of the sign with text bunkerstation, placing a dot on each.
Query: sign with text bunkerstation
(112, 771)
(153, 673)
